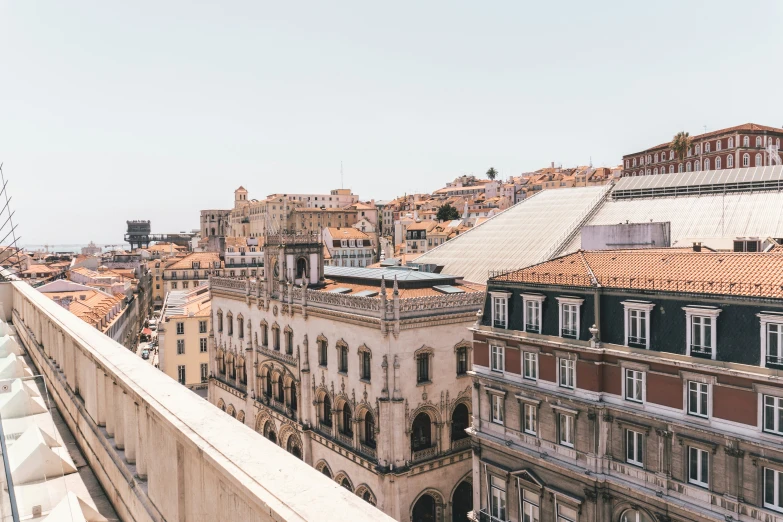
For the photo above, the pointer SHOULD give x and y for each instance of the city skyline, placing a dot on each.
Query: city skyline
(125, 116)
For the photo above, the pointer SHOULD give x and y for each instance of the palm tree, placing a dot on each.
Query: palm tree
(680, 144)
(492, 173)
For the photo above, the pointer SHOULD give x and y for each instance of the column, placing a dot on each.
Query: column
(108, 393)
(119, 418)
(141, 442)
(131, 429)
(100, 378)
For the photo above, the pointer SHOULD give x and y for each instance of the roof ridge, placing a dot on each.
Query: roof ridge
(588, 268)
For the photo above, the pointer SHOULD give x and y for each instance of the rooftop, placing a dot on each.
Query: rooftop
(180, 303)
(751, 127)
(678, 270)
(186, 263)
(346, 233)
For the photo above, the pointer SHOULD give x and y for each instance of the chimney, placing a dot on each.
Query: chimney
(697, 247)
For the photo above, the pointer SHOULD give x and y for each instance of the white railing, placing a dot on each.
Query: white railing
(164, 452)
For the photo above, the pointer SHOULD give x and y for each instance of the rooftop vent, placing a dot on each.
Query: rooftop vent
(340, 290)
(448, 289)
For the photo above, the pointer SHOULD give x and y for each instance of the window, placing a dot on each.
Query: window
(497, 408)
(746, 160)
(276, 338)
(701, 338)
(202, 345)
(688, 167)
(637, 323)
(230, 319)
(202, 327)
(707, 164)
(567, 373)
(173, 285)
(671, 169)
(500, 309)
(530, 509)
(531, 419)
(204, 372)
(180, 346)
(718, 144)
(181, 373)
(241, 327)
(185, 284)
(679, 167)
(264, 334)
(322, 353)
(530, 365)
(342, 363)
(566, 513)
(569, 316)
(696, 165)
(565, 427)
(758, 162)
(758, 141)
(771, 339)
(746, 141)
(180, 328)
(698, 467)
(497, 359)
(718, 163)
(462, 360)
(289, 341)
(773, 489)
(707, 147)
(698, 398)
(773, 414)
(697, 150)
(634, 385)
(423, 368)
(729, 161)
(634, 448)
(365, 360)
(532, 312)
(731, 143)
(498, 496)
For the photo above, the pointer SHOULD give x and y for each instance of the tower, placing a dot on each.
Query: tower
(240, 197)
(298, 258)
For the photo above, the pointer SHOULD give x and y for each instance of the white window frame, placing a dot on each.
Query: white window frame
(701, 456)
(566, 423)
(569, 301)
(530, 504)
(746, 160)
(632, 452)
(180, 328)
(708, 312)
(638, 378)
(537, 302)
(688, 377)
(641, 307)
(530, 417)
(777, 500)
(498, 297)
(203, 345)
(563, 360)
(180, 346)
(567, 517)
(770, 396)
(498, 414)
(767, 319)
(502, 503)
(497, 357)
(530, 360)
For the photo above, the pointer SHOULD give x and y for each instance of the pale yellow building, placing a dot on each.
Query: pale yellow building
(191, 271)
(182, 337)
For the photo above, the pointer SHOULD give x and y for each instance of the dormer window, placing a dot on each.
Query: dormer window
(701, 336)
(637, 323)
(771, 339)
(531, 312)
(500, 308)
(569, 316)
(196, 265)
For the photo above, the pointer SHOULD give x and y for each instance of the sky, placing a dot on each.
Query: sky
(154, 110)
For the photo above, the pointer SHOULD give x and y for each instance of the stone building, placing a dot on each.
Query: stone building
(361, 373)
(631, 386)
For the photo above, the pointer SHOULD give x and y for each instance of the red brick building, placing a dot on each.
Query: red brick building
(734, 147)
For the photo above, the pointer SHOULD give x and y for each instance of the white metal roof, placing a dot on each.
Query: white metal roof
(738, 214)
(519, 236)
(699, 182)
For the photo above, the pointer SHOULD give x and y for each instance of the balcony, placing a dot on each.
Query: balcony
(368, 450)
(427, 453)
(345, 439)
(162, 451)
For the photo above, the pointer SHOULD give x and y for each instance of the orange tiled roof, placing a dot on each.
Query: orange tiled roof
(186, 263)
(404, 292)
(753, 127)
(679, 270)
(346, 233)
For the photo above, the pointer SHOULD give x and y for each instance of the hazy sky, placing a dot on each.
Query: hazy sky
(153, 110)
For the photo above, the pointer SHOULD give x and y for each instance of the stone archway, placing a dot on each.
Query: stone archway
(462, 501)
(424, 510)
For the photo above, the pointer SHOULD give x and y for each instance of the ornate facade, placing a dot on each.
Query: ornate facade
(363, 377)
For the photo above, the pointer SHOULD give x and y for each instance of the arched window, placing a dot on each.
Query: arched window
(746, 160)
(758, 160)
(633, 515)
(718, 144)
(367, 497)
(220, 321)
(276, 337)
(707, 147)
(679, 167)
(707, 164)
(688, 167)
(232, 367)
(346, 484)
(280, 390)
(421, 432)
(301, 268)
(264, 334)
(221, 361)
(671, 154)
(342, 357)
(717, 163)
(289, 341)
(656, 157)
(697, 150)
(241, 327)
(243, 370)
(460, 420)
(347, 421)
(292, 446)
(671, 169)
(326, 411)
(462, 360)
(293, 400)
(746, 141)
(365, 358)
(324, 469)
(758, 141)
(369, 430)
(268, 389)
(697, 165)
(731, 143)
(730, 161)
(322, 353)
(230, 319)
(655, 170)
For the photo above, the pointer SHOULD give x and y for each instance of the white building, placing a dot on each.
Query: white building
(362, 373)
(348, 247)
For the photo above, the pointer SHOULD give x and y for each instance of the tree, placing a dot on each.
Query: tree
(680, 144)
(492, 173)
(447, 213)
